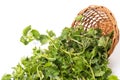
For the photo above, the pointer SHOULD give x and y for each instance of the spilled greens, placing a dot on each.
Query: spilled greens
(75, 55)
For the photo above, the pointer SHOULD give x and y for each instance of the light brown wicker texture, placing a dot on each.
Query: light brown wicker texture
(99, 17)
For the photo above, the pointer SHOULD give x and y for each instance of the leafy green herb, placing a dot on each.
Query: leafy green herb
(75, 55)
(26, 30)
(35, 34)
(113, 77)
(51, 33)
(78, 18)
(6, 77)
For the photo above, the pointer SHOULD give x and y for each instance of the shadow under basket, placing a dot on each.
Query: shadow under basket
(99, 17)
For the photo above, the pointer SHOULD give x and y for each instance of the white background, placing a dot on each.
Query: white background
(42, 15)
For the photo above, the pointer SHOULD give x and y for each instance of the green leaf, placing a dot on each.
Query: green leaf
(51, 33)
(66, 31)
(6, 77)
(102, 41)
(48, 64)
(113, 77)
(24, 40)
(35, 34)
(79, 17)
(99, 73)
(26, 30)
(43, 39)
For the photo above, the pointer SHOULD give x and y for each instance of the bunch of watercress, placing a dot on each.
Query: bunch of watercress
(75, 55)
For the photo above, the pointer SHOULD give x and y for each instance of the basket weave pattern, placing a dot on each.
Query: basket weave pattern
(99, 17)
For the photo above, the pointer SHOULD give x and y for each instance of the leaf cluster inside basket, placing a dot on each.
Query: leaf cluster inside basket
(99, 17)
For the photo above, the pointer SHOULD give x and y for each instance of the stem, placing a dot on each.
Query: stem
(83, 78)
(79, 43)
(76, 41)
(92, 72)
(93, 76)
(67, 53)
(52, 42)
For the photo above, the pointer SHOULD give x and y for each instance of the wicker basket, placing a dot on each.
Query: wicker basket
(99, 17)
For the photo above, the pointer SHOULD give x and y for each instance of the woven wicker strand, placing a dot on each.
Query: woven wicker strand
(99, 17)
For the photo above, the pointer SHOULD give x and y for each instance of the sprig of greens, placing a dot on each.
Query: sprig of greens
(75, 55)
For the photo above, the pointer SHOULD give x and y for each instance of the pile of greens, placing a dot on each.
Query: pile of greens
(75, 55)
